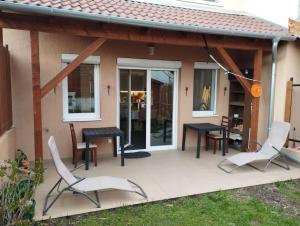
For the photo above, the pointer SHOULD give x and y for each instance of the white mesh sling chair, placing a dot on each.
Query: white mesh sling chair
(83, 186)
(268, 152)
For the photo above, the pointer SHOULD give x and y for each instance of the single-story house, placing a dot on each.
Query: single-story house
(139, 66)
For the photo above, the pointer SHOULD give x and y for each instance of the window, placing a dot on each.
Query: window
(81, 90)
(205, 90)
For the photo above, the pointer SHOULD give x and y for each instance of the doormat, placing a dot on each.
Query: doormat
(136, 155)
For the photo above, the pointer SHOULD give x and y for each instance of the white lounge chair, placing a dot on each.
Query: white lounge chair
(270, 151)
(85, 185)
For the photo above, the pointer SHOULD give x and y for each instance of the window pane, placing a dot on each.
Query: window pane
(204, 85)
(81, 90)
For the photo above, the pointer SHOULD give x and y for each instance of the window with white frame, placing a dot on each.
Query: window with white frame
(81, 101)
(205, 89)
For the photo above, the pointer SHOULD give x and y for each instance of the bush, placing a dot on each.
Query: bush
(16, 193)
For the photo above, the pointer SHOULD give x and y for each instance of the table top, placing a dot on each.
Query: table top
(204, 126)
(102, 132)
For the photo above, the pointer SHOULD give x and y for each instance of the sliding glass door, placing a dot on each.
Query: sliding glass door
(147, 108)
(162, 98)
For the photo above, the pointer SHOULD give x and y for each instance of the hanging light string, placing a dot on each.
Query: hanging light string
(227, 72)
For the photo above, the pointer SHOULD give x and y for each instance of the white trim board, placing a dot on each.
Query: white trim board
(145, 63)
(203, 65)
(68, 58)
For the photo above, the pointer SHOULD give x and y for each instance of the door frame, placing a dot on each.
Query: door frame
(148, 106)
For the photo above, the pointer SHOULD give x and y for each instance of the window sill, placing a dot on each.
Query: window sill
(203, 115)
(82, 120)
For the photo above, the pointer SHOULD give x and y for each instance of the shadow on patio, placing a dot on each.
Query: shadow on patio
(165, 175)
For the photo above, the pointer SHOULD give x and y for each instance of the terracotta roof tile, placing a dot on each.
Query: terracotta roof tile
(196, 19)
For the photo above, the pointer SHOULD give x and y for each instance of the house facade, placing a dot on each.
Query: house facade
(146, 80)
(288, 53)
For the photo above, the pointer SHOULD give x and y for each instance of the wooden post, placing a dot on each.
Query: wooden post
(255, 102)
(36, 89)
(288, 101)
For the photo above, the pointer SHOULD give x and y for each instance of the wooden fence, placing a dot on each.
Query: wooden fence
(5, 92)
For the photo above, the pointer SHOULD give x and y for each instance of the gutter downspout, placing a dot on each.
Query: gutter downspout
(273, 82)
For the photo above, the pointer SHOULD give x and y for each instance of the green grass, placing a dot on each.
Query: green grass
(220, 208)
(290, 189)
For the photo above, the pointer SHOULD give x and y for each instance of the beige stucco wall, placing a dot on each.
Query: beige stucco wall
(51, 48)
(8, 145)
(288, 66)
(265, 98)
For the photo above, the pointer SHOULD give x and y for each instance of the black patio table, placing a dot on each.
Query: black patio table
(114, 132)
(203, 128)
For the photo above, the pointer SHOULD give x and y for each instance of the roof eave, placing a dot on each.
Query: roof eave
(134, 22)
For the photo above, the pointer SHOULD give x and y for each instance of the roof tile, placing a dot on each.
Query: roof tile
(162, 14)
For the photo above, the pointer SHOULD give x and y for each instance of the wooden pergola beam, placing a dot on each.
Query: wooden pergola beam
(255, 101)
(90, 49)
(36, 89)
(122, 32)
(234, 68)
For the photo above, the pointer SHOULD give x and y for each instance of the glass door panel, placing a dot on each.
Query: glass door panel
(125, 104)
(133, 85)
(161, 122)
(138, 108)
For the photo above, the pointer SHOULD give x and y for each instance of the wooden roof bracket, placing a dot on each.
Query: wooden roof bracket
(234, 68)
(90, 49)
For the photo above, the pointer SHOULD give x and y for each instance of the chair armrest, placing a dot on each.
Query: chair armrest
(77, 168)
(279, 152)
(71, 185)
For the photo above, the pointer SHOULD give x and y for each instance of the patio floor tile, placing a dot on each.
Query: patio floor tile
(164, 175)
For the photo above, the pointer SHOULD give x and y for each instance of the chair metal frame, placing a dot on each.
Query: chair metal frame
(269, 162)
(70, 188)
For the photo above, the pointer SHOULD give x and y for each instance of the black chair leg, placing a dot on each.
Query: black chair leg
(206, 144)
(215, 146)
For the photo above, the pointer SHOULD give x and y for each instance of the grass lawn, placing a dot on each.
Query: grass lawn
(290, 189)
(220, 208)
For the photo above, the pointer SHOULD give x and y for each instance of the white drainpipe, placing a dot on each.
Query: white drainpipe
(273, 82)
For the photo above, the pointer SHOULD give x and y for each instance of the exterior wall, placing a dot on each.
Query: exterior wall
(288, 66)
(8, 145)
(51, 48)
(288, 57)
(264, 99)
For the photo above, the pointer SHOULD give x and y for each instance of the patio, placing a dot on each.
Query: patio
(165, 175)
